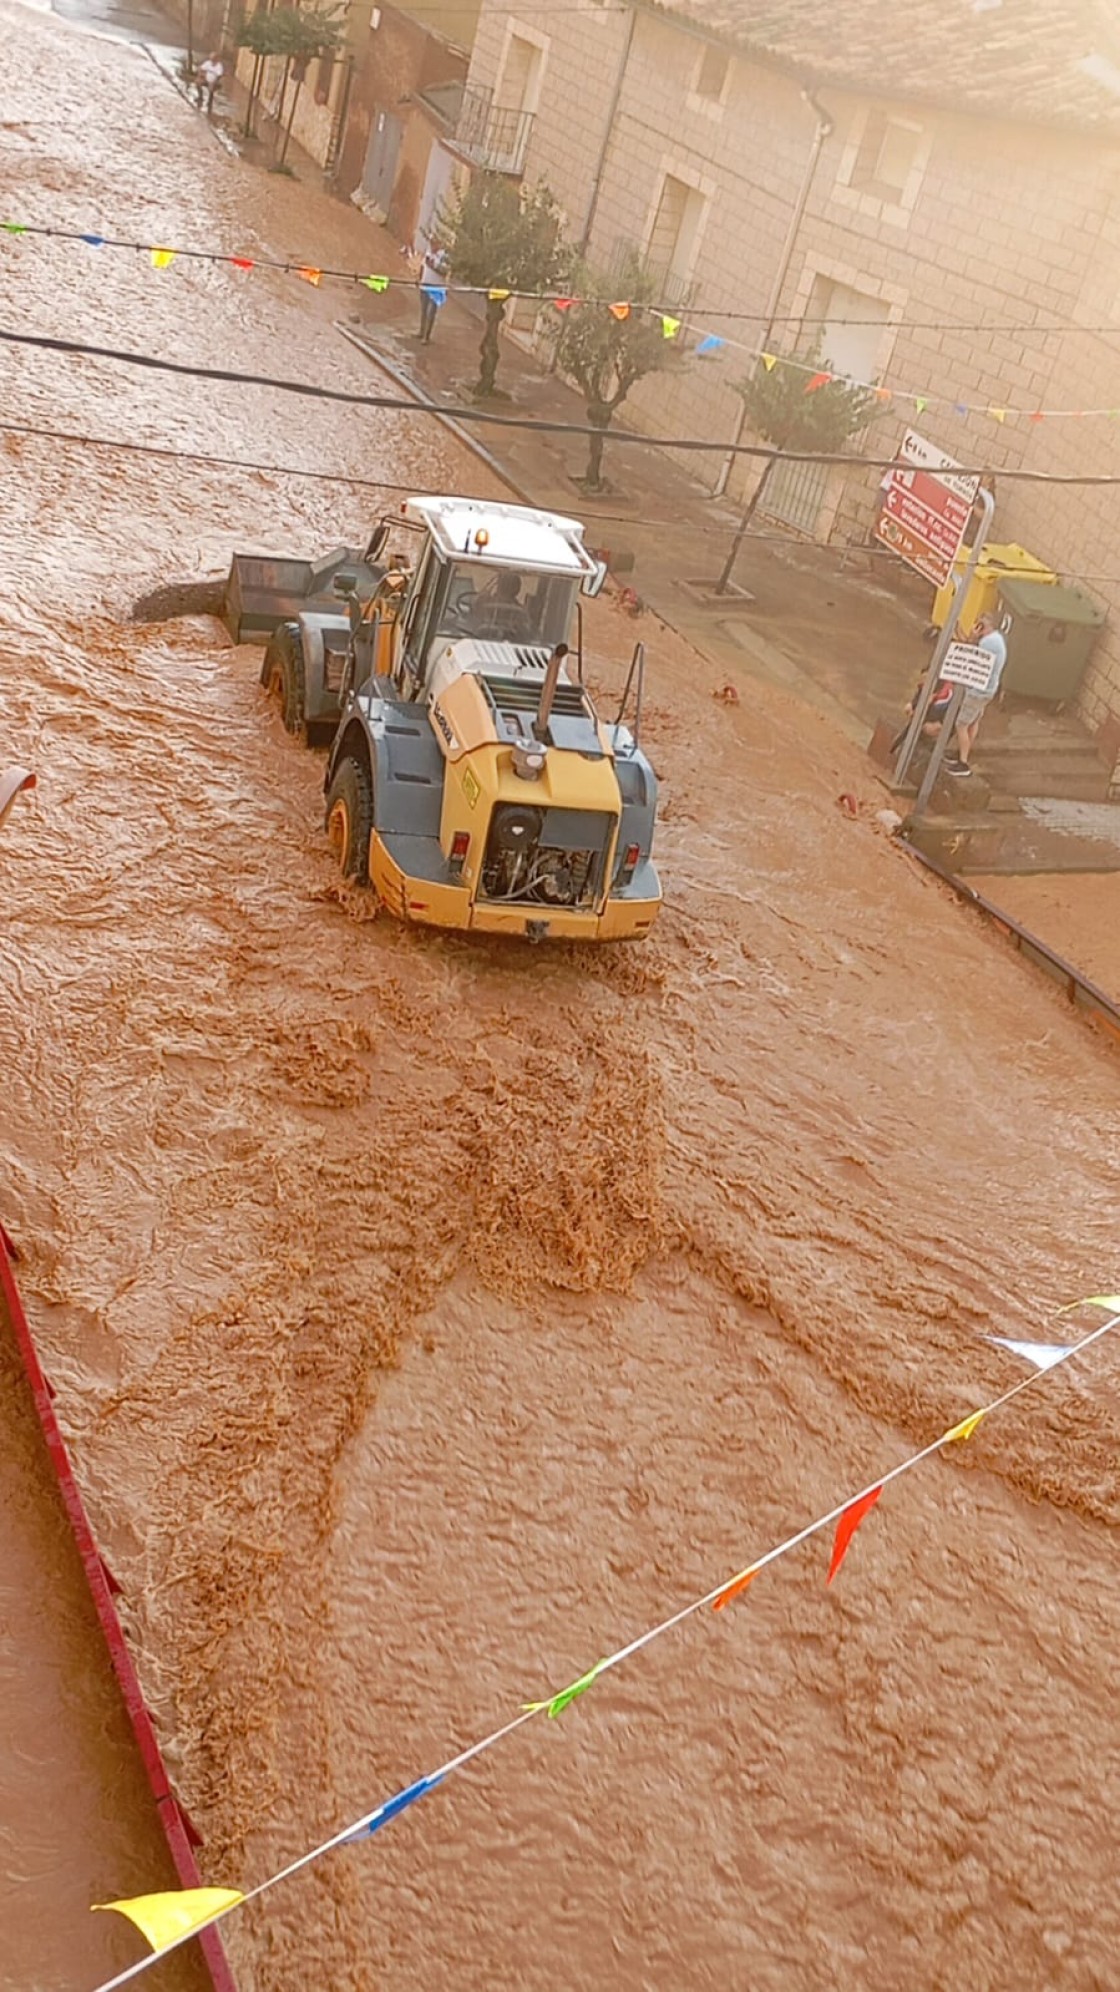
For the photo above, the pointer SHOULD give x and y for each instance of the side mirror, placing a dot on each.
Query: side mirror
(593, 583)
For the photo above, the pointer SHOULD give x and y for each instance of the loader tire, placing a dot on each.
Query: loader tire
(283, 674)
(350, 817)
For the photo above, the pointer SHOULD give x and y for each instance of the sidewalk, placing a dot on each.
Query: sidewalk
(840, 639)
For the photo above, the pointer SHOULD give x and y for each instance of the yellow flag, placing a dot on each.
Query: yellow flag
(1111, 1301)
(165, 1918)
(669, 326)
(965, 1429)
(497, 296)
(998, 414)
(769, 361)
(162, 259)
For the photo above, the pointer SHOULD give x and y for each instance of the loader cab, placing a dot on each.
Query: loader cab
(466, 598)
(489, 574)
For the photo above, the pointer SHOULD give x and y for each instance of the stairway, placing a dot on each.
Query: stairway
(1026, 750)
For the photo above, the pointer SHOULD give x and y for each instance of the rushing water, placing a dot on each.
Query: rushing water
(428, 1317)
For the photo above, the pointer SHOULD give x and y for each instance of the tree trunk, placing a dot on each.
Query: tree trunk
(283, 97)
(254, 92)
(599, 415)
(489, 351)
(291, 120)
(744, 528)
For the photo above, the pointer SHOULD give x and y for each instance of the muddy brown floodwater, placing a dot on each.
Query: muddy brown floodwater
(427, 1316)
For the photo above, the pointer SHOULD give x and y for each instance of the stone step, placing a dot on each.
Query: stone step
(1049, 834)
(1080, 780)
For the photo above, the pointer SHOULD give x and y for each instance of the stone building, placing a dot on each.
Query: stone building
(933, 184)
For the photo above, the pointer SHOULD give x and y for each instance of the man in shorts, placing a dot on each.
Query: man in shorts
(986, 636)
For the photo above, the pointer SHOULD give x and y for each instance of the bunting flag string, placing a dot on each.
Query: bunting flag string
(705, 344)
(172, 1918)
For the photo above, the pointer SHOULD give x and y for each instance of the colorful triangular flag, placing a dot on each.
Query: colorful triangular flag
(961, 408)
(921, 403)
(669, 327)
(163, 1919)
(769, 361)
(162, 259)
(95, 241)
(710, 344)
(884, 394)
(998, 414)
(1038, 415)
(13, 227)
(1109, 1301)
(558, 1703)
(619, 311)
(847, 1526)
(818, 380)
(242, 262)
(735, 1589)
(498, 296)
(1043, 1355)
(394, 1805)
(563, 303)
(377, 284)
(309, 274)
(964, 1430)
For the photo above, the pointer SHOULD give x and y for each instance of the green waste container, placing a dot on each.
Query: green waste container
(1050, 633)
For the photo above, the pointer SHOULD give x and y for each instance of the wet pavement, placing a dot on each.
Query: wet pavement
(428, 1315)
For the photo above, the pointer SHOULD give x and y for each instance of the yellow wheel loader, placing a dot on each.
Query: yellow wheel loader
(470, 780)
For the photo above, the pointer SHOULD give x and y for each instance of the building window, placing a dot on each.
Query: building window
(886, 157)
(851, 325)
(520, 87)
(675, 235)
(710, 78)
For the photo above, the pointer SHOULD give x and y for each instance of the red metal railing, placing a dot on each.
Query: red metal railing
(176, 1827)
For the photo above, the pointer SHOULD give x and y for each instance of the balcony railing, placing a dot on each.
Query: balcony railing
(490, 135)
(669, 289)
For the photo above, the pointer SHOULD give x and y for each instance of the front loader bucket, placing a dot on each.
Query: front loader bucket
(264, 590)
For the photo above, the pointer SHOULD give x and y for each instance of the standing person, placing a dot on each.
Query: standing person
(433, 289)
(206, 82)
(987, 636)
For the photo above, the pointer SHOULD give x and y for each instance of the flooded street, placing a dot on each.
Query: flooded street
(427, 1317)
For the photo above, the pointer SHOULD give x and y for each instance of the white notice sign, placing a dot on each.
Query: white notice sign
(966, 664)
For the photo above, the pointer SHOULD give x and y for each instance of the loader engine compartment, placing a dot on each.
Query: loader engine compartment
(545, 857)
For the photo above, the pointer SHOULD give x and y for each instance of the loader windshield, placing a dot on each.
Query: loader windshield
(503, 605)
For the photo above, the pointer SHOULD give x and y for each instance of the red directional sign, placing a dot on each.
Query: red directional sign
(926, 509)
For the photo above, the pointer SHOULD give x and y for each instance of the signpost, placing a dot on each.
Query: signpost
(925, 513)
(926, 509)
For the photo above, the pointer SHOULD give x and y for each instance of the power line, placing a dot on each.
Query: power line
(289, 265)
(454, 411)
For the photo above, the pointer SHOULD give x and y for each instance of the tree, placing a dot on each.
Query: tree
(609, 343)
(797, 407)
(298, 35)
(503, 238)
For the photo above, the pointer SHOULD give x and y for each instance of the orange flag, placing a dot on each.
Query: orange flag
(619, 311)
(734, 1590)
(309, 275)
(847, 1526)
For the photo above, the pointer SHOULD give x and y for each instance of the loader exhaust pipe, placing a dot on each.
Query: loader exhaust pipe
(548, 690)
